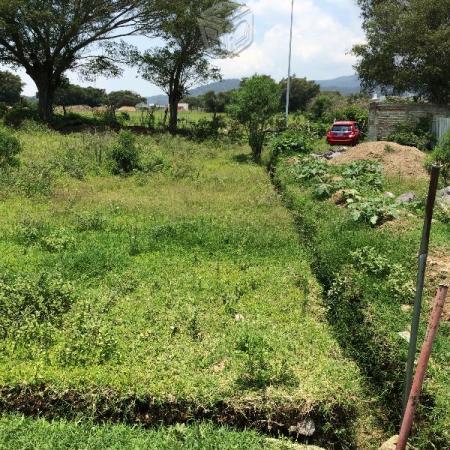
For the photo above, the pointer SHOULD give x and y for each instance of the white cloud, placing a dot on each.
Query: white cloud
(321, 41)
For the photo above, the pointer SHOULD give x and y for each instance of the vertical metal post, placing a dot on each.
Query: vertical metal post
(423, 256)
(422, 365)
(288, 91)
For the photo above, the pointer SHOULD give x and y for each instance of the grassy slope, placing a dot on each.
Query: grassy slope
(367, 318)
(160, 265)
(17, 433)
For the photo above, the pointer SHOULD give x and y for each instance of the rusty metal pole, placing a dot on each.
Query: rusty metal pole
(422, 366)
(423, 256)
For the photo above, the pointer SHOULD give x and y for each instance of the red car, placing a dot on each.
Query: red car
(344, 133)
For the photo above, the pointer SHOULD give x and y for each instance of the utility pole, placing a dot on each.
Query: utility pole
(288, 91)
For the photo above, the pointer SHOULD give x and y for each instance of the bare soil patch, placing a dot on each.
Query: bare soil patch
(396, 159)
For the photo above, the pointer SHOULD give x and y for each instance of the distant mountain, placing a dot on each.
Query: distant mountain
(217, 87)
(345, 85)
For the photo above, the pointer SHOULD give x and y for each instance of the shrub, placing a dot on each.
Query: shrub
(125, 154)
(374, 211)
(10, 147)
(205, 129)
(414, 134)
(291, 142)
(17, 115)
(441, 155)
(309, 170)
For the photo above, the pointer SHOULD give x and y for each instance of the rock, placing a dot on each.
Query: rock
(390, 444)
(238, 318)
(406, 335)
(306, 427)
(406, 198)
(389, 195)
(444, 195)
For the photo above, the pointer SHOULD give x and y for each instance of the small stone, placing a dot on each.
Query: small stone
(406, 335)
(391, 444)
(406, 308)
(238, 318)
(389, 195)
(406, 198)
(444, 195)
(306, 427)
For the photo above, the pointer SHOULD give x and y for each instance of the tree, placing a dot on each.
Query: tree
(48, 37)
(302, 92)
(254, 105)
(71, 94)
(408, 47)
(185, 59)
(118, 99)
(10, 88)
(216, 103)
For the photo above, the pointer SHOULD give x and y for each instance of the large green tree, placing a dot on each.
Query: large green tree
(49, 37)
(302, 92)
(10, 88)
(185, 59)
(255, 105)
(408, 47)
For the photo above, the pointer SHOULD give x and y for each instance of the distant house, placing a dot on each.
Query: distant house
(183, 106)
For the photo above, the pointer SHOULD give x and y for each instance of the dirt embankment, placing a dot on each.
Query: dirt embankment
(396, 159)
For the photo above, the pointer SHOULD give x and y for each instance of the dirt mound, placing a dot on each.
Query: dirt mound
(396, 159)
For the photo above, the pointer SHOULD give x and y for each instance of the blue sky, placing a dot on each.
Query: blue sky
(324, 33)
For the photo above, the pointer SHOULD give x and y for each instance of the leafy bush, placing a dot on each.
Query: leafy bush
(90, 221)
(308, 170)
(367, 174)
(57, 241)
(374, 211)
(291, 142)
(10, 147)
(125, 154)
(17, 115)
(206, 129)
(414, 134)
(441, 155)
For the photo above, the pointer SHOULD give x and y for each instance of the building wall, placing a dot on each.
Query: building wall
(383, 117)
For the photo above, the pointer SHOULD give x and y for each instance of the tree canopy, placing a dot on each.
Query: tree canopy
(10, 88)
(48, 37)
(185, 59)
(71, 94)
(408, 47)
(118, 99)
(302, 92)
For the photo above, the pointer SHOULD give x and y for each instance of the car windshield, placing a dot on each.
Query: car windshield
(341, 128)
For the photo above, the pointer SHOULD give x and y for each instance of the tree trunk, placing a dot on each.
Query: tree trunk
(46, 94)
(173, 120)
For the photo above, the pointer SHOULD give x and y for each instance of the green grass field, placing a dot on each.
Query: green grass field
(18, 433)
(180, 292)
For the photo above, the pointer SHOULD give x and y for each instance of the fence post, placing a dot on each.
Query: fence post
(423, 256)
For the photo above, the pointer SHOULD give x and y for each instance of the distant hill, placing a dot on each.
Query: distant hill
(345, 85)
(219, 86)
